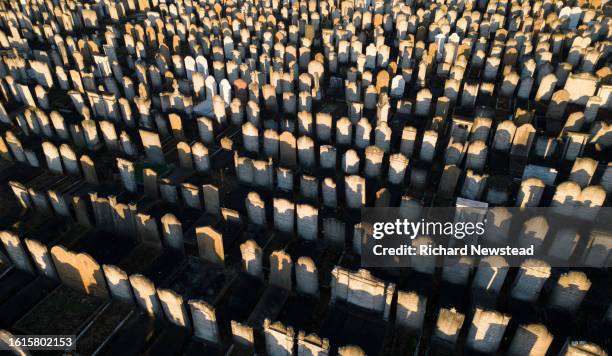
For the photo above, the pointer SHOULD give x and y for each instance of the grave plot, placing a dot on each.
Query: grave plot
(64, 312)
(102, 327)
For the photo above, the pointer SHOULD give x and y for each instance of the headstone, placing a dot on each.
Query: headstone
(448, 326)
(210, 244)
(351, 350)
(251, 258)
(531, 339)
(279, 339)
(250, 137)
(362, 289)
(118, 284)
(16, 252)
(487, 330)
(423, 102)
(242, 334)
(363, 131)
(530, 192)
(204, 321)
(530, 280)
(306, 151)
(288, 147)
(52, 155)
(344, 131)
(174, 308)
(40, 256)
(313, 345)
(79, 271)
(580, 87)
(569, 291)
(428, 147)
(271, 144)
(355, 191)
(350, 162)
(504, 136)
(306, 276)
(173, 233)
(490, 274)
(206, 130)
(307, 221)
(410, 310)
(458, 273)
(373, 162)
(407, 142)
(256, 210)
(128, 175)
(398, 164)
(328, 192)
(281, 267)
(152, 146)
(201, 160)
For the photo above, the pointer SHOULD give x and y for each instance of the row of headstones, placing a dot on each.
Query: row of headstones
(567, 295)
(521, 141)
(281, 340)
(410, 311)
(190, 157)
(111, 215)
(574, 193)
(358, 132)
(125, 219)
(16, 92)
(536, 230)
(573, 15)
(506, 138)
(113, 102)
(261, 173)
(226, 99)
(196, 155)
(122, 218)
(356, 89)
(574, 92)
(578, 188)
(65, 161)
(100, 103)
(228, 45)
(423, 97)
(38, 122)
(423, 102)
(249, 170)
(489, 277)
(81, 272)
(532, 339)
(568, 194)
(86, 134)
(303, 218)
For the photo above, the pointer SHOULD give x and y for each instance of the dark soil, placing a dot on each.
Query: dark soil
(101, 328)
(63, 312)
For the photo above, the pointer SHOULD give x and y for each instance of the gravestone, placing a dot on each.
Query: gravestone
(281, 268)
(79, 271)
(210, 244)
(204, 320)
